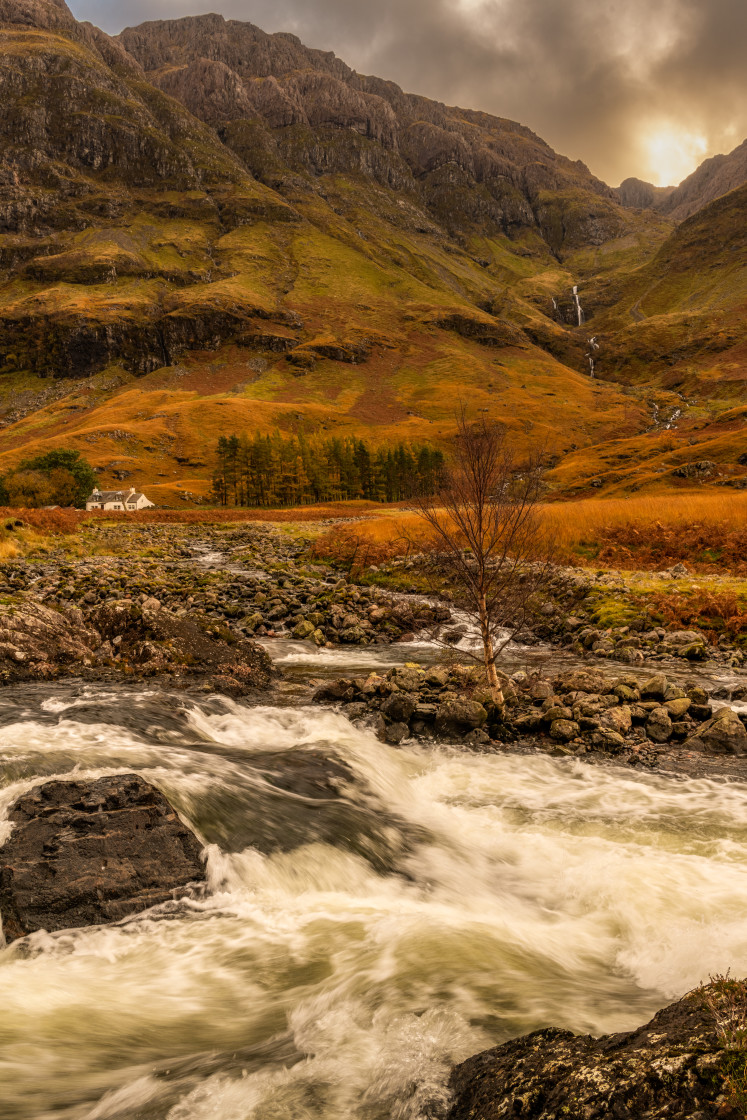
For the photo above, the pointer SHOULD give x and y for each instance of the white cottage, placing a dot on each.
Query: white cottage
(130, 499)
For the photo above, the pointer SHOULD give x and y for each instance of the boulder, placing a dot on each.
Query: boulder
(305, 629)
(619, 719)
(655, 688)
(724, 734)
(563, 730)
(696, 651)
(585, 680)
(678, 708)
(698, 695)
(399, 707)
(83, 853)
(459, 716)
(606, 739)
(437, 676)
(659, 725)
(555, 712)
(676, 1067)
(394, 733)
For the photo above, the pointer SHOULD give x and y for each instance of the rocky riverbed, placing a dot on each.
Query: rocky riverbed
(641, 721)
(373, 870)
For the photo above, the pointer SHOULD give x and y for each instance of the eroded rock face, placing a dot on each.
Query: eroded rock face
(724, 734)
(38, 642)
(83, 853)
(305, 105)
(673, 1067)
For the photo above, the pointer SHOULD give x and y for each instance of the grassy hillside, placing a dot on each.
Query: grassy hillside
(155, 295)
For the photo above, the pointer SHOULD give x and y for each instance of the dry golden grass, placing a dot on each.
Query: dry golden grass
(43, 520)
(708, 531)
(231, 516)
(573, 522)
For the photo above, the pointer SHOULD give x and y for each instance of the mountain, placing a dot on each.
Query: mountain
(712, 179)
(640, 195)
(291, 112)
(715, 177)
(207, 229)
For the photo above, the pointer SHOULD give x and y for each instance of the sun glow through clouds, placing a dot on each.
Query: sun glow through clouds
(672, 154)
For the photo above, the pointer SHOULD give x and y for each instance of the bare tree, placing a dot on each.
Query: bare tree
(489, 548)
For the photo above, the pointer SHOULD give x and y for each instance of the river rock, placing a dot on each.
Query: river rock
(586, 680)
(83, 853)
(458, 716)
(679, 707)
(158, 641)
(563, 730)
(655, 688)
(399, 707)
(659, 725)
(38, 641)
(724, 734)
(675, 1067)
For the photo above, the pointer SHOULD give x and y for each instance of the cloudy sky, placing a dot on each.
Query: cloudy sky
(631, 87)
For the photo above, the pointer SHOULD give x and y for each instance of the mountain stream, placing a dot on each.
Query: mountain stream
(351, 946)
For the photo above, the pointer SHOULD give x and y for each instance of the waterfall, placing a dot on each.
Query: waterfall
(579, 309)
(593, 347)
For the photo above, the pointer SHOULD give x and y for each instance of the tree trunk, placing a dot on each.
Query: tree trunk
(489, 653)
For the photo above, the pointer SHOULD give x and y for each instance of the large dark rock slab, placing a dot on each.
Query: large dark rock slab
(677, 1066)
(83, 853)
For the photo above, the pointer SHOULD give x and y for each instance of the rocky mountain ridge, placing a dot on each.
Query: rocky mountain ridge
(714, 178)
(308, 111)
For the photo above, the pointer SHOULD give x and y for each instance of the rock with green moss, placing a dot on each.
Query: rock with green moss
(679, 1067)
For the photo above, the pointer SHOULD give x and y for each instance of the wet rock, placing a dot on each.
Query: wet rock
(459, 716)
(724, 734)
(394, 733)
(606, 739)
(655, 688)
(659, 725)
(586, 680)
(675, 1067)
(400, 707)
(678, 708)
(82, 853)
(564, 730)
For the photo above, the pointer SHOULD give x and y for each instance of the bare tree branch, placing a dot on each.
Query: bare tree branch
(490, 548)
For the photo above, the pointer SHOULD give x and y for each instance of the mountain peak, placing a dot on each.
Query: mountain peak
(46, 14)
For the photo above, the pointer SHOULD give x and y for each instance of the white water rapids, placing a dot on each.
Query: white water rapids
(460, 899)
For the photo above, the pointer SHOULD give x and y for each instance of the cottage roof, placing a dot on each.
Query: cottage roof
(115, 496)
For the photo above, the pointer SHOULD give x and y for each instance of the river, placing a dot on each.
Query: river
(351, 948)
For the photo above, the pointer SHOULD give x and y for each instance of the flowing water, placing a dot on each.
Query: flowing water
(351, 946)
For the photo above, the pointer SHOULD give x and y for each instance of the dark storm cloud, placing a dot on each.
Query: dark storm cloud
(641, 87)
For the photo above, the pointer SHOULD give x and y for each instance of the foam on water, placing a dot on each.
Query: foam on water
(531, 892)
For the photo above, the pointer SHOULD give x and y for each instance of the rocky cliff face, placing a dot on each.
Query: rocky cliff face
(309, 108)
(715, 177)
(641, 195)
